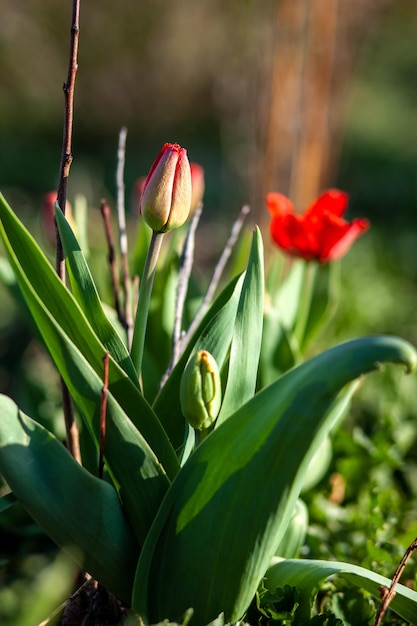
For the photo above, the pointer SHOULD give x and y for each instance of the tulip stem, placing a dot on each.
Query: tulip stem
(304, 308)
(145, 290)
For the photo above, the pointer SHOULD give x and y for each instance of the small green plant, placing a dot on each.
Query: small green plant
(179, 522)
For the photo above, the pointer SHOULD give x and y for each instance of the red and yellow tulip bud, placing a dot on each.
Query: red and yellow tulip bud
(200, 390)
(166, 198)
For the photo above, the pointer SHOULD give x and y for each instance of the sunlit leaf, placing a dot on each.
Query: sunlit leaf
(81, 513)
(85, 292)
(262, 451)
(307, 576)
(247, 335)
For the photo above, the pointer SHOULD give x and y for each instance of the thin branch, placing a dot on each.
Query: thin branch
(66, 154)
(388, 594)
(103, 414)
(111, 257)
(186, 265)
(71, 428)
(66, 160)
(121, 212)
(218, 271)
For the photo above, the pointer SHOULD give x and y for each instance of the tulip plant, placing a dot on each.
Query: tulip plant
(196, 511)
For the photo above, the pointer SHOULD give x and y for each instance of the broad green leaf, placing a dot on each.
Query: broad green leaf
(214, 334)
(228, 507)
(307, 576)
(78, 511)
(85, 292)
(55, 311)
(247, 335)
(136, 470)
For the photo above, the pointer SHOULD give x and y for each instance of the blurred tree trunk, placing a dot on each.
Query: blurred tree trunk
(315, 42)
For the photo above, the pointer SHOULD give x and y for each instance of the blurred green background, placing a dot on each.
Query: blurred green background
(267, 95)
(201, 74)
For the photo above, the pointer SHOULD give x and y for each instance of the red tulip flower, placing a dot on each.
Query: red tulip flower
(320, 234)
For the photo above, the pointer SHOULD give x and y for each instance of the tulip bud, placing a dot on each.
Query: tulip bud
(200, 390)
(166, 197)
(197, 185)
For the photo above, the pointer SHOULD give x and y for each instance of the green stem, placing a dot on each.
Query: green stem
(145, 290)
(200, 435)
(305, 303)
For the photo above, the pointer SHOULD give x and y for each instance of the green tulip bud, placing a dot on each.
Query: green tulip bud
(200, 390)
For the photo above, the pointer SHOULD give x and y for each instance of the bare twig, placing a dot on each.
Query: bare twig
(128, 315)
(186, 264)
(388, 594)
(218, 271)
(66, 160)
(111, 257)
(103, 414)
(66, 155)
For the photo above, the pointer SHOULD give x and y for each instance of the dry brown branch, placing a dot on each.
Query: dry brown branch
(388, 594)
(111, 257)
(66, 160)
(103, 414)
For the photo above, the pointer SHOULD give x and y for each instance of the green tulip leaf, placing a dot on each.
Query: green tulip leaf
(80, 513)
(307, 576)
(247, 335)
(137, 469)
(85, 292)
(260, 454)
(55, 311)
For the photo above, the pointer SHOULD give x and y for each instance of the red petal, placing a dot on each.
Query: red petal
(292, 234)
(337, 236)
(278, 204)
(331, 201)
